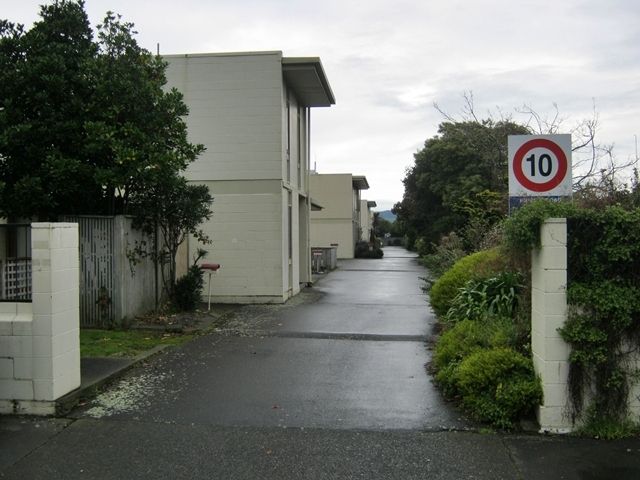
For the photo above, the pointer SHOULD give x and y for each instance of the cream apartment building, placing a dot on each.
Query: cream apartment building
(339, 221)
(252, 112)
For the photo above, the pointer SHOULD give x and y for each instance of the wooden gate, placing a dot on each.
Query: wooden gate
(97, 270)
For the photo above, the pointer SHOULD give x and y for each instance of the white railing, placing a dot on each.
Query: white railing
(16, 279)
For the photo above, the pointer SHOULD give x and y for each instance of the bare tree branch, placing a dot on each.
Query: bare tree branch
(443, 113)
(594, 164)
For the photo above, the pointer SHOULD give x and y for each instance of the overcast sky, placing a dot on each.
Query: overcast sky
(389, 61)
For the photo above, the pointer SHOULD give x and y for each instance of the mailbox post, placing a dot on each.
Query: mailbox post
(211, 268)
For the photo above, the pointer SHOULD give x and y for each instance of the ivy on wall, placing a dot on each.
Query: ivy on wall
(603, 325)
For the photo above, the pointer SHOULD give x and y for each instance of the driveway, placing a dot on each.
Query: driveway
(346, 357)
(349, 353)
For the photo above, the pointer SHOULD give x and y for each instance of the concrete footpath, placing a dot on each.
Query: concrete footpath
(331, 385)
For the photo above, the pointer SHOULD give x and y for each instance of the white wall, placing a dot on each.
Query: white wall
(325, 233)
(246, 230)
(548, 314)
(335, 193)
(40, 341)
(255, 133)
(293, 171)
(334, 223)
(235, 109)
(366, 217)
(304, 262)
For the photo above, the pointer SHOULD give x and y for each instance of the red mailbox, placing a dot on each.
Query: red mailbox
(214, 267)
(211, 268)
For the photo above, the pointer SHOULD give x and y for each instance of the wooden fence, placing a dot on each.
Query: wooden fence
(113, 288)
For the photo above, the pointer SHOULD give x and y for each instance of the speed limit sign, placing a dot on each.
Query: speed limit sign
(540, 165)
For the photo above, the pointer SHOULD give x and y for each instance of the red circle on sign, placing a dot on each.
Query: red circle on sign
(553, 182)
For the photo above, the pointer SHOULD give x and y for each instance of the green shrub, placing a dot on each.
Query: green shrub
(367, 250)
(477, 265)
(187, 292)
(458, 342)
(522, 228)
(422, 246)
(443, 255)
(446, 379)
(498, 386)
(453, 346)
(489, 296)
(465, 338)
(608, 428)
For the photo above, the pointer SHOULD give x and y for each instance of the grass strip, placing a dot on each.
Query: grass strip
(125, 343)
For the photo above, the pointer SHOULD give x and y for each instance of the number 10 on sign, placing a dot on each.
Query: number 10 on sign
(540, 166)
(544, 164)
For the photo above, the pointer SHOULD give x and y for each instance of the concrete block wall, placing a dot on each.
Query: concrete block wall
(548, 314)
(247, 234)
(40, 341)
(16, 348)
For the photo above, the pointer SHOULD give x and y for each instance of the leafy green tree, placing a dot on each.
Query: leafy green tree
(383, 226)
(44, 89)
(136, 126)
(87, 127)
(83, 121)
(466, 163)
(173, 209)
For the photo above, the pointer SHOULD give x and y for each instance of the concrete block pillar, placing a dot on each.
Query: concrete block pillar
(55, 306)
(548, 314)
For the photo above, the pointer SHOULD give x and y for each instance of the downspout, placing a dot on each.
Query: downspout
(155, 262)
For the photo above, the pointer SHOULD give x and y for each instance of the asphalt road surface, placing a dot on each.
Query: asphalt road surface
(331, 385)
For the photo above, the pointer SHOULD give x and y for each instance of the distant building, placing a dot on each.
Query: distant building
(366, 219)
(339, 221)
(252, 112)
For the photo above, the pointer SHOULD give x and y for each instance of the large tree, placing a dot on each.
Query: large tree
(456, 177)
(44, 93)
(136, 127)
(83, 121)
(87, 127)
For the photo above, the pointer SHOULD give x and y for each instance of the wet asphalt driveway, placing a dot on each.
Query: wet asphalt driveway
(331, 385)
(348, 353)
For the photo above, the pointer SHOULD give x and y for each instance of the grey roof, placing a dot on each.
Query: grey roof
(306, 77)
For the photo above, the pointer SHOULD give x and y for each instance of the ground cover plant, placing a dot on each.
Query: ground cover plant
(474, 266)
(441, 257)
(481, 359)
(498, 385)
(496, 295)
(125, 343)
(464, 338)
